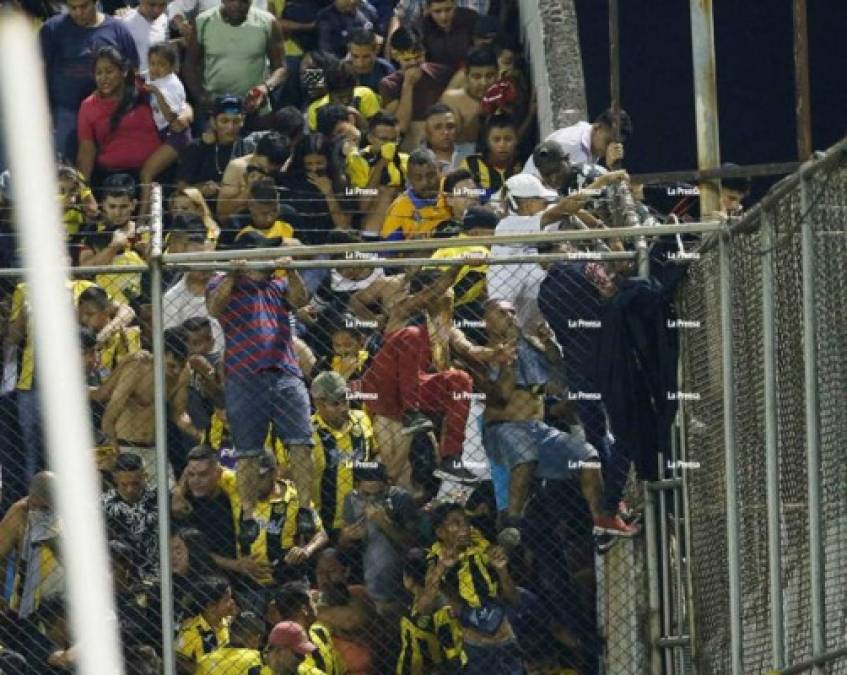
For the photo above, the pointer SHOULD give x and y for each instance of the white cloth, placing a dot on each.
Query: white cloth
(519, 284)
(575, 141)
(145, 33)
(174, 92)
(190, 8)
(181, 304)
(10, 369)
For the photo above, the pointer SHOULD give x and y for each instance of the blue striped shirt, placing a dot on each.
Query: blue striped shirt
(256, 327)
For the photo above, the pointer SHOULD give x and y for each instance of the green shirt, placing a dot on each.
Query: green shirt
(234, 57)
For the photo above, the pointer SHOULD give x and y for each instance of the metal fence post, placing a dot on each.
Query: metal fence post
(813, 454)
(732, 528)
(161, 422)
(771, 449)
(654, 626)
(705, 100)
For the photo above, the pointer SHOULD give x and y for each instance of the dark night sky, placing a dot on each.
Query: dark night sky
(753, 42)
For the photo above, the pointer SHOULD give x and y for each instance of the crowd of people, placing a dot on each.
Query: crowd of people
(376, 465)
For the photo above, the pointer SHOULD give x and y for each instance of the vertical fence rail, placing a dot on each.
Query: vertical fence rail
(771, 444)
(782, 402)
(813, 451)
(161, 439)
(732, 518)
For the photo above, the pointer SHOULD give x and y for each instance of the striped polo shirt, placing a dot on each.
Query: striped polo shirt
(257, 328)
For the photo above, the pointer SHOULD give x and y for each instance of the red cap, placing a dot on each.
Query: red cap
(498, 96)
(291, 635)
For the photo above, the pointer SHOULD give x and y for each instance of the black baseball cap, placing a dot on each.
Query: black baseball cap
(228, 104)
(548, 154)
(479, 217)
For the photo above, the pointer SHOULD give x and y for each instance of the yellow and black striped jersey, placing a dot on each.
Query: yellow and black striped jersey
(428, 640)
(470, 578)
(281, 523)
(197, 638)
(335, 451)
(326, 659)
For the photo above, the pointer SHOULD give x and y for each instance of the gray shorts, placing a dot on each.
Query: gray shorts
(558, 454)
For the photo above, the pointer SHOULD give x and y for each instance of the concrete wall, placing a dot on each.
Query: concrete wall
(549, 31)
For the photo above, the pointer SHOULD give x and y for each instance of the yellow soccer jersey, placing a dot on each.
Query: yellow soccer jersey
(196, 638)
(19, 305)
(232, 661)
(428, 640)
(334, 453)
(278, 522)
(364, 100)
(279, 229)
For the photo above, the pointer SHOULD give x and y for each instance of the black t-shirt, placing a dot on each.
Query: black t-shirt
(213, 517)
(201, 162)
(315, 221)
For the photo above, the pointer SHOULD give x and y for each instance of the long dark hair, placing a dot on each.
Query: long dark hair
(318, 144)
(130, 96)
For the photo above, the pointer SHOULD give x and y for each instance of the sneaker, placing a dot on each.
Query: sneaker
(628, 515)
(248, 532)
(603, 542)
(455, 470)
(414, 422)
(614, 526)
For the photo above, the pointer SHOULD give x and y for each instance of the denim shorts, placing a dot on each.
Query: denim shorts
(270, 397)
(558, 454)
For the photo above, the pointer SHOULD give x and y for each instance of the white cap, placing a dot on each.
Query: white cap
(525, 185)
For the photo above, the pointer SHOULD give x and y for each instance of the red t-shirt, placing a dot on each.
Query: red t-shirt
(128, 146)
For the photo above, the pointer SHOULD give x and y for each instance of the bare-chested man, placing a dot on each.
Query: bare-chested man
(128, 421)
(515, 435)
(480, 74)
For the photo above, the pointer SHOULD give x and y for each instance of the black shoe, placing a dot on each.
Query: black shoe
(248, 532)
(453, 469)
(414, 422)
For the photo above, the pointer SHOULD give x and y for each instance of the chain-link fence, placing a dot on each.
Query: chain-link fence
(786, 317)
(422, 455)
(408, 457)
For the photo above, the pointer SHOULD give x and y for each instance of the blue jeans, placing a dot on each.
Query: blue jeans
(270, 397)
(613, 455)
(65, 133)
(29, 421)
(504, 659)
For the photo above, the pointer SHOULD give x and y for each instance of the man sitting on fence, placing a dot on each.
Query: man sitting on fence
(515, 434)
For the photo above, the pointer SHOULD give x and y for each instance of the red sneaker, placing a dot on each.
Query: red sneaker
(614, 526)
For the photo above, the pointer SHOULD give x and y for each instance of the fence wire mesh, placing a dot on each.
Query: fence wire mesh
(699, 301)
(394, 459)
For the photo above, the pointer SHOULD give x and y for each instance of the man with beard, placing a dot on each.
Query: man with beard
(417, 211)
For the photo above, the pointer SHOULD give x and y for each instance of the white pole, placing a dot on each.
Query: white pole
(62, 392)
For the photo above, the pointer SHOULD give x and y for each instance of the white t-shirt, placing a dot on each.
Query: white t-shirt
(173, 91)
(145, 33)
(574, 140)
(180, 304)
(519, 283)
